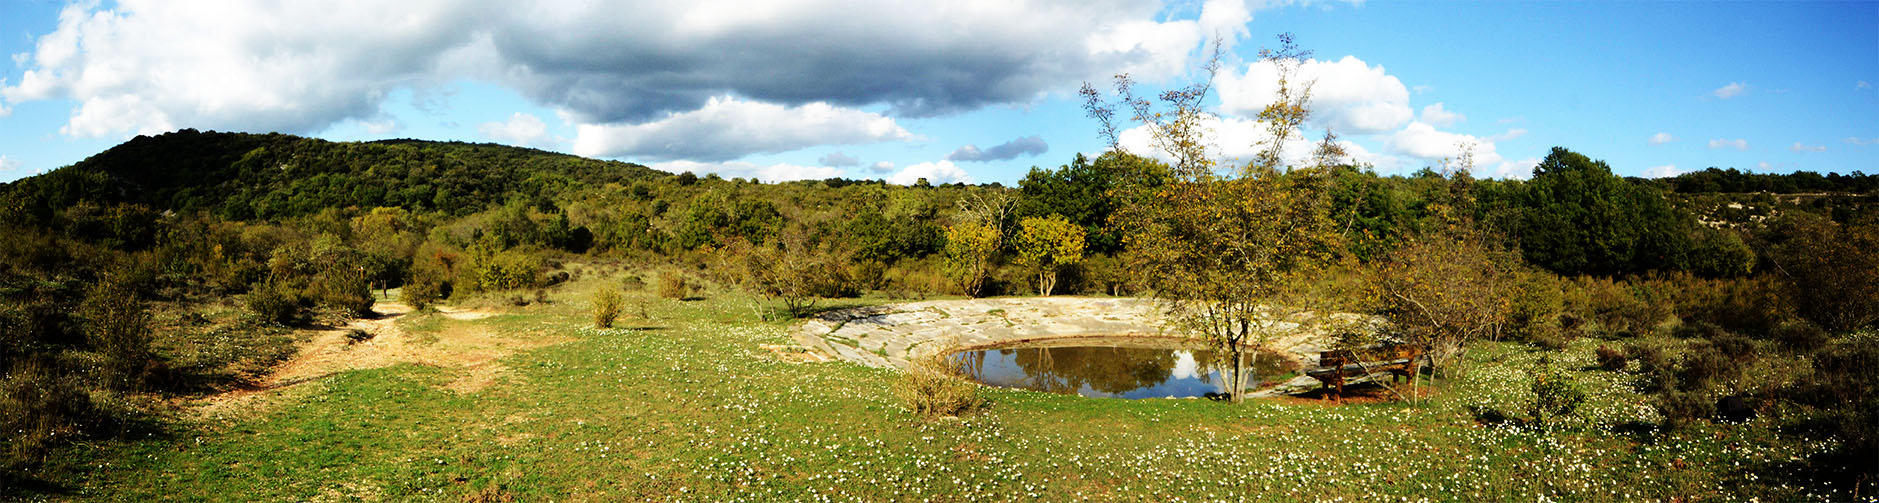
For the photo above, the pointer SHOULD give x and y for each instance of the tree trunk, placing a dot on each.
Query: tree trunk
(1238, 393)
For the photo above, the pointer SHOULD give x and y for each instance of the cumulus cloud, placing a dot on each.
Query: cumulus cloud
(1347, 95)
(838, 159)
(728, 128)
(521, 129)
(1438, 116)
(148, 65)
(936, 173)
(1026, 146)
(152, 66)
(1802, 147)
(781, 172)
(1732, 90)
(1519, 169)
(1425, 142)
(8, 165)
(1229, 141)
(1661, 138)
(1722, 143)
(1665, 171)
(881, 168)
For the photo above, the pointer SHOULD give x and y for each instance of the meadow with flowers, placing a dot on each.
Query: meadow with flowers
(683, 402)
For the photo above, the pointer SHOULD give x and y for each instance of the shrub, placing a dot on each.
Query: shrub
(930, 388)
(427, 286)
(342, 288)
(39, 410)
(1554, 396)
(673, 286)
(118, 327)
(276, 303)
(1682, 408)
(606, 307)
(1611, 359)
(1536, 306)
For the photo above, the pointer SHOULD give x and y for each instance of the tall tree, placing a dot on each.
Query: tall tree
(1230, 253)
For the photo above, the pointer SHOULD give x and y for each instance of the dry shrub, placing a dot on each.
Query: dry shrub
(673, 286)
(930, 388)
(606, 307)
(1611, 359)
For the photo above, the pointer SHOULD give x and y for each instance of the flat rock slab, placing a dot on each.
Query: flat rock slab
(891, 335)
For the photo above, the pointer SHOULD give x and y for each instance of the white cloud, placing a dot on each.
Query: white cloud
(837, 159)
(1764, 166)
(1721, 143)
(1438, 116)
(8, 164)
(378, 127)
(1861, 85)
(521, 129)
(935, 173)
(1424, 142)
(1230, 141)
(1347, 95)
(1732, 90)
(1661, 138)
(1511, 134)
(781, 172)
(1802, 147)
(1030, 145)
(1665, 171)
(729, 128)
(153, 65)
(881, 168)
(1520, 169)
(1855, 140)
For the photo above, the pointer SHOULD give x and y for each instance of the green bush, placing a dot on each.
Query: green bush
(930, 388)
(276, 303)
(606, 307)
(342, 288)
(1682, 408)
(117, 327)
(1554, 396)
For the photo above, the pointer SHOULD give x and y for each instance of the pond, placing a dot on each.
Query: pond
(1110, 367)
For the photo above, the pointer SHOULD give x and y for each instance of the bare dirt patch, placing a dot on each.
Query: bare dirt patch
(472, 349)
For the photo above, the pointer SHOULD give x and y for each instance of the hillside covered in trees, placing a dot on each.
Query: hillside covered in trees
(105, 262)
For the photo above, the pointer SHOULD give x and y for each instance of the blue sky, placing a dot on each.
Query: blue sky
(811, 89)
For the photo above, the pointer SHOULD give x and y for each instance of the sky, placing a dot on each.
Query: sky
(972, 91)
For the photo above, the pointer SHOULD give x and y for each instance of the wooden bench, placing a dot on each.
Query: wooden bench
(1335, 368)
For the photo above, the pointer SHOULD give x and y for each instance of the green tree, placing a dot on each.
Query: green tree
(970, 248)
(1576, 217)
(1232, 253)
(1047, 245)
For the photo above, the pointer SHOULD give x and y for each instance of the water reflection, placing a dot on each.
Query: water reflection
(1107, 368)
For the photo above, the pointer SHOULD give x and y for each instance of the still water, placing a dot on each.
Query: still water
(1108, 368)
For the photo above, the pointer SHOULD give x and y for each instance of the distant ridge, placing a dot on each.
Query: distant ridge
(246, 176)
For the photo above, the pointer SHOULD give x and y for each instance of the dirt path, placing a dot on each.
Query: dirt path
(471, 349)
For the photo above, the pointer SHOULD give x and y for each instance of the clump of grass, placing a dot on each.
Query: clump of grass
(930, 388)
(606, 307)
(673, 286)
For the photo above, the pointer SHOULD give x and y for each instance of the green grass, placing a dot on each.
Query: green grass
(686, 406)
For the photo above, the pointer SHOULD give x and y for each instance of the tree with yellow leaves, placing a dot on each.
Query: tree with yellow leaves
(1047, 245)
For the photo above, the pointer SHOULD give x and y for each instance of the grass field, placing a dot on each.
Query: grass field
(685, 405)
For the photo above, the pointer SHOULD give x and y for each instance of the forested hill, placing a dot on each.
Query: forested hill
(246, 176)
